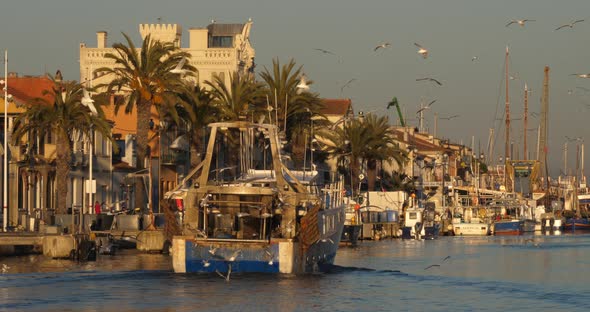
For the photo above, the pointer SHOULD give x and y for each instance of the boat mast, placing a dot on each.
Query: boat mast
(507, 143)
(526, 112)
(544, 128)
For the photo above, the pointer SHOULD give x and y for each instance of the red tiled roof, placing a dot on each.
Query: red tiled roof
(336, 106)
(24, 89)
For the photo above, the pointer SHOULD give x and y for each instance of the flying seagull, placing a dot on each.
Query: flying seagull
(425, 107)
(422, 51)
(346, 84)
(383, 45)
(88, 102)
(570, 25)
(325, 51)
(178, 69)
(474, 58)
(431, 266)
(519, 22)
(430, 79)
(581, 75)
(450, 117)
(302, 86)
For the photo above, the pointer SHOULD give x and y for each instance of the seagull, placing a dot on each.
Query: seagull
(212, 250)
(326, 240)
(178, 69)
(422, 51)
(346, 84)
(450, 117)
(425, 107)
(5, 268)
(383, 45)
(88, 102)
(206, 263)
(581, 75)
(446, 258)
(226, 277)
(431, 79)
(430, 266)
(302, 86)
(325, 51)
(235, 255)
(271, 256)
(474, 58)
(570, 25)
(519, 22)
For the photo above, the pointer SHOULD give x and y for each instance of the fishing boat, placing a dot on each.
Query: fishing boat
(413, 224)
(245, 211)
(577, 224)
(352, 226)
(473, 221)
(512, 218)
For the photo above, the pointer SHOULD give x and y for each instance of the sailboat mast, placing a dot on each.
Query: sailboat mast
(507, 146)
(526, 118)
(544, 127)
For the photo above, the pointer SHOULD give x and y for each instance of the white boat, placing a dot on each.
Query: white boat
(474, 221)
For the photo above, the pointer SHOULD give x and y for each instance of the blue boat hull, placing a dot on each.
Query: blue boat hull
(513, 227)
(573, 225)
(192, 255)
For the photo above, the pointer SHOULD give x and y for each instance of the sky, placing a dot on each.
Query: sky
(44, 36)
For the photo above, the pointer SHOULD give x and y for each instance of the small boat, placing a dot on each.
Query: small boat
(512, 218)
(473, 221)
(577, 224)
(352, 227)
(413, 224)
(247, 212)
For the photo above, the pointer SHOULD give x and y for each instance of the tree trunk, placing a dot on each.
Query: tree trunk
(62, 171)
(143, 119)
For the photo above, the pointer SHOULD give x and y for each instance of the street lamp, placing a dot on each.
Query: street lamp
(445, 162)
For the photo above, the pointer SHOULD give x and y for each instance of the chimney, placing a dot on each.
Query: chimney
(101, 39)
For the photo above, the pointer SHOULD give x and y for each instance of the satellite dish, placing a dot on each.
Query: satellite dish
(361, 176)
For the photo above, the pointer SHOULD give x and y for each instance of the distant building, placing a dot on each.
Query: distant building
(217, 51)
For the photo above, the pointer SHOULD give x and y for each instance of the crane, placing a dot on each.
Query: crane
(395, 103)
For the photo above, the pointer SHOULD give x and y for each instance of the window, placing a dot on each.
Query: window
(221, 42)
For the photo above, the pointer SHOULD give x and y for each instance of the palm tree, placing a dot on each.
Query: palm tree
(197, 110)
(238, 98)
(346, 144)
(295, 107)
(60, 113)
(379, 146)
(146, 79)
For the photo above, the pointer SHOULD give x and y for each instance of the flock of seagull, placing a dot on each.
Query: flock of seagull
(424, 52)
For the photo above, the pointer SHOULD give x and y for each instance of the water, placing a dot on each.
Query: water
(482, 273)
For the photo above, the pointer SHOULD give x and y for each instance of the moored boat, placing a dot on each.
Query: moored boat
(577, 224)
(245, 211)
(472, 222)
